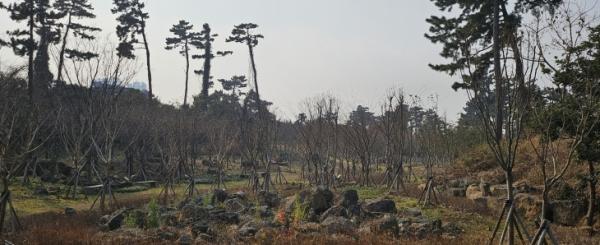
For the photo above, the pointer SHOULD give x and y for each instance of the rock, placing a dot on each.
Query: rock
(335, 225)
(308, 227)
(219, 196)
(424, 227)
(169, 218)
(248, 229)
(473, 192)
(235, 205)
(523, 186)
(265, 211)
(200, 227)
(498, 190)
(386, 224)
(414, 212)
(321, 200)
(226, 217)
(457, 191)
(381, 206)
(40, 191)
(240, 195)
(349, 198)
(192, 213)
(336, 210)
(70, 211)
(568, 212)
(114, 220)
(185, 239)
(268, 199)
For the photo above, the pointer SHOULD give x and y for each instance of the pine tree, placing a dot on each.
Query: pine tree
(132, 22)
(205, 42)
(182, 39)
(75, 10)
(243, 33)
(41, 21)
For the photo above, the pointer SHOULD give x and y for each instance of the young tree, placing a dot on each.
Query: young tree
(205, 41)
(361, 135)
(132, 22)
(244, 33)
(466, 38)
(74, 10)
(393, 126)
(182, 39)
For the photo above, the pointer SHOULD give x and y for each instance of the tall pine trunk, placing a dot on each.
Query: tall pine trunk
(148, 67)
(187, 72)
(61, 58)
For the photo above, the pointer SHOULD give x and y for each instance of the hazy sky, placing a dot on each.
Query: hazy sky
(353, 49)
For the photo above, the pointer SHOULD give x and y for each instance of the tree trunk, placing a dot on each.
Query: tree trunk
(61, 58)
(254, 76)
(498, 72)
(187, 72)
(150, 95)
(511, 199)
(206, 74)
(30, 56)
(592, 199)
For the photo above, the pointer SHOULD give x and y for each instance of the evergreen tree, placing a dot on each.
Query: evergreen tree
(205, 41)
(132, 22)
(41, 21)
(243, 33)
(182, 39)
(75, 10)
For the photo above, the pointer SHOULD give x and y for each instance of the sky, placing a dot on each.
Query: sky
(355, 50)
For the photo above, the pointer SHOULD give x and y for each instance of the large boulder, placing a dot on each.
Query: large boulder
(225, 217)
(321, 200)
(192, 213)
(387, 224)
(113, 221)
(248, 229)
(349, 198)
(70, 211)
(268, 199)
(381, 205)
(336, 210)
(334, 225)
(473, 192)
(219, 196)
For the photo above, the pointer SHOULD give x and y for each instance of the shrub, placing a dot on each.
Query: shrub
(130, 221)
(300, 210)
(153, 220)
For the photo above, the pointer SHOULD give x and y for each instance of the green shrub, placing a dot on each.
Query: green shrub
(300, 211)
(153, 220)
(130, 220)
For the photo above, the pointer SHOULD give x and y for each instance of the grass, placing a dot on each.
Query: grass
(26, 203)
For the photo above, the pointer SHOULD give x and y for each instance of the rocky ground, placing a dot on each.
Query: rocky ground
(236, 217)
